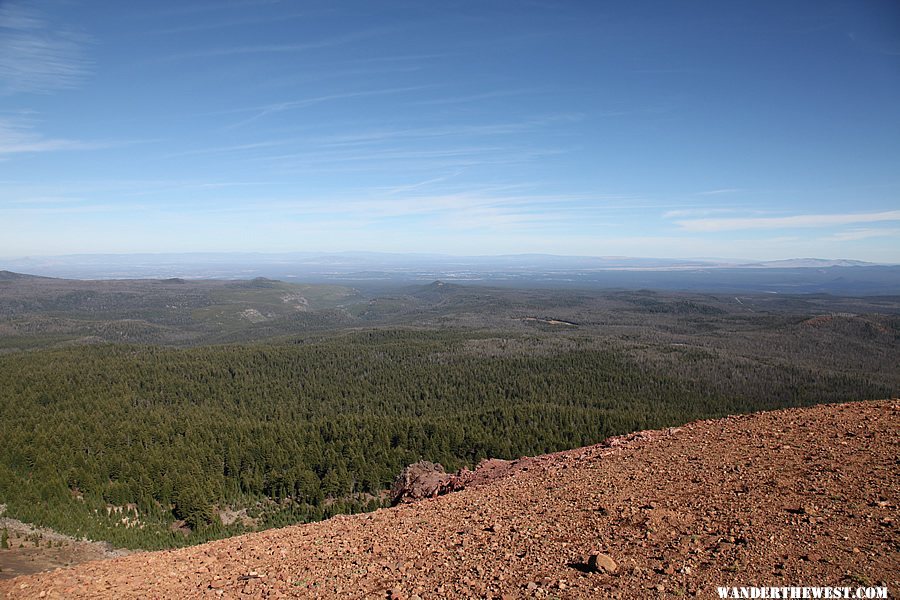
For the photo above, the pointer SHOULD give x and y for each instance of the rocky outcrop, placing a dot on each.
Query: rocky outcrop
(423, 480)
(427, 480)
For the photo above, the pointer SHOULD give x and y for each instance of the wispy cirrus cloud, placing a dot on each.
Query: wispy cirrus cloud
(795, 221)
(377, 136)
(18, 136)
(409, 187)
(400, 159)
(864, 233)
(75, 191)
(69, 209)
(719, 191)
(206, 24)
(474, 97)
(35, 55)
(491, 206)
(268, 109)
(476, 130)
(227, 148)
(276, 48)
(699, 212)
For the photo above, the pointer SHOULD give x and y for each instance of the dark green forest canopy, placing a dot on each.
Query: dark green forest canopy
(307, 426)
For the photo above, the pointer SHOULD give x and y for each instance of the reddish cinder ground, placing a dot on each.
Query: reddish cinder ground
(792, 497)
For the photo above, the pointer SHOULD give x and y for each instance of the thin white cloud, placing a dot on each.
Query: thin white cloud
(800, 221)
(168, 188)
(307, 76)
(474, 97)
(719, 191)
(17, 137)
(48, 145)
(698, 212)
(67, 210)
(268, 109)
(484, 129)
(495, 206)
(206, 25)
(863, 234)
(341, 40)
(35, 56)
(401, 159)
(403, 58)
(400, 189)
(228, 148)
(44, 200)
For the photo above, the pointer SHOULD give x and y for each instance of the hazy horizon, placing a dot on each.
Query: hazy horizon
(524, 271)
(729, 260)
(767, 130)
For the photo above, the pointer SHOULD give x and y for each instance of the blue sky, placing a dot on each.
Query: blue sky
(756, 130)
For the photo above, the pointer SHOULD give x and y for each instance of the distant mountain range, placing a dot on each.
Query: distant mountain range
(818, 263)
(798, 275)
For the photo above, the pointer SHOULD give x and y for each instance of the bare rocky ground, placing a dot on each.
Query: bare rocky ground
(34, 549)
(793, 497)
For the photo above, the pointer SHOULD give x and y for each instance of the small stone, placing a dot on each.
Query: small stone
(602, 563)
(813, 557)
(531, 586)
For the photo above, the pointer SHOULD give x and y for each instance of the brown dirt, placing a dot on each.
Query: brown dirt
(35, 549)
(794, 497)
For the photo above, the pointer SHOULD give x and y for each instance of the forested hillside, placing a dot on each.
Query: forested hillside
(168, 436)
(298, 431)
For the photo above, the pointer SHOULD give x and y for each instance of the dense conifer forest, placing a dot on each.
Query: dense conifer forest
(151, 446)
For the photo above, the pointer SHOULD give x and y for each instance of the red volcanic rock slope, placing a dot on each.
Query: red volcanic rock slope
(791, 497)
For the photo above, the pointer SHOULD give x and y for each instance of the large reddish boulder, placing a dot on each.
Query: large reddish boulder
(423, 480)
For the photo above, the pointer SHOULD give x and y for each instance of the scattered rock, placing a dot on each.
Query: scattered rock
(812, 557)
(602, 563)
